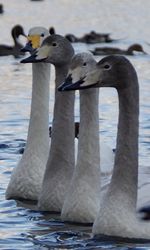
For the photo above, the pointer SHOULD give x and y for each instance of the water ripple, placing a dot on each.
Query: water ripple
(22, 226)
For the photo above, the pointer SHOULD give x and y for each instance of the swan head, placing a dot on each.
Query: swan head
(55, 49)
(80, 65)
(111, 71)
(35, 38)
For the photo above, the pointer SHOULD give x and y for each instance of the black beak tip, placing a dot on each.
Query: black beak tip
(65, 86)
(22, 61)
(29, 59)
(28, 48)
(61, 88)
(23, 50)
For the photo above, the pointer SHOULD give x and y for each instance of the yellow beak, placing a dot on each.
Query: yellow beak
(35, 41)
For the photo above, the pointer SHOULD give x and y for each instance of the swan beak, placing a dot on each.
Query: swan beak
(33, 42)
(69, 85)
(27, 48)
(89, 80)
(31, 59)
(40, 55)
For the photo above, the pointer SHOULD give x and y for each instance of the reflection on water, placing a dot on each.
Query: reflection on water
(22, 226)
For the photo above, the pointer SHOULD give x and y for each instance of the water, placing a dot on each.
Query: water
(21, 226)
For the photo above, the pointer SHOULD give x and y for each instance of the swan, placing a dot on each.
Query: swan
(111, 50)
(6, 50)
(117, 215)
(58, 51)
(60, 164)
(26, 178)
(82, 201)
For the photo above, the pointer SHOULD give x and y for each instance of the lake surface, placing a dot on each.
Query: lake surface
(21, 226)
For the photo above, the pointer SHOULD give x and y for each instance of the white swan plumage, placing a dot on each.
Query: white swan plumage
(26, 178)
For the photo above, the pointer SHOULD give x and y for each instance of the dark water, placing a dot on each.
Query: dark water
(21, 226)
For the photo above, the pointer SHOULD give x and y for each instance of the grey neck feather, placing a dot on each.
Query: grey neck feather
(117, 216)
(125, 174)
(62, 142)
(88, 160)
(39, 116)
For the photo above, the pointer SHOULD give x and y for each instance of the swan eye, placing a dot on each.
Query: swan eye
(107, 66)
(84, 64)
(42, 34)
(54, 44)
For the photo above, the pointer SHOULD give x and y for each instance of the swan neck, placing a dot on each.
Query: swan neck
(125, 174)
(39, 115)
(88, 146)
(61, 72)
(62, 141)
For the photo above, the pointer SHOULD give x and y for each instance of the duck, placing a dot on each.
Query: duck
(90, 38)
(15, 50)
(111, 50)
(82, 203)
(26, 178)
(117, 215)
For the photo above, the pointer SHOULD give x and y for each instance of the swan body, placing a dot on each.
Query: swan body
(117, 214)
(26, 178)
(6, 50)
(61, 161)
